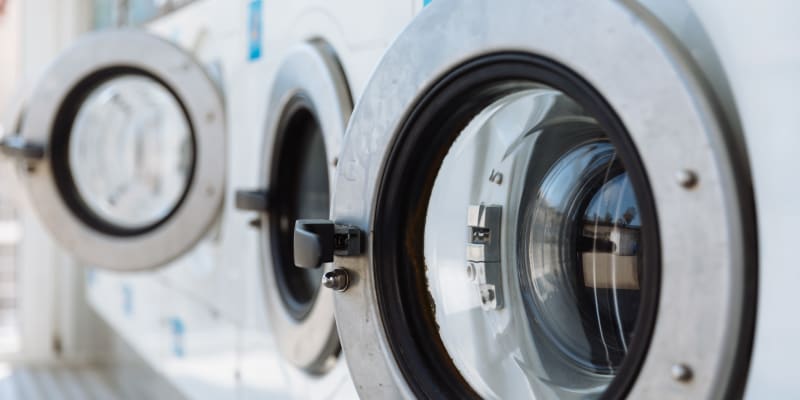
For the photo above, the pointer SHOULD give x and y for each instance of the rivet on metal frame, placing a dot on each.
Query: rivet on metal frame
(338, 280)
(686, 178)
(681, 373)
(496, 177)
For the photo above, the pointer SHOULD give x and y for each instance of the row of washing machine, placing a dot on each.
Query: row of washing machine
(475, 199)
(215, 105)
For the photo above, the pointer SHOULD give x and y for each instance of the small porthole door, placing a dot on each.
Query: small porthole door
(122, 150)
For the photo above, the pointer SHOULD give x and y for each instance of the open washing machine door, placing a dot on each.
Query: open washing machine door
(310, 105)
(122, 150)
(536, 199)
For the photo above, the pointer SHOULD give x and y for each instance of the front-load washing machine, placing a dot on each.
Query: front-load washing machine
(541, 199)
(120, 149)
(307, 112)
(135, 150)
(158, 192)
(317, 55)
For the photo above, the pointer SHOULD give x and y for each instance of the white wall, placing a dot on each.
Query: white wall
(9, 38)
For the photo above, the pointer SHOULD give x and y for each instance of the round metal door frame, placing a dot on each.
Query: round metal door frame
(96, 56)
(310, 71)
(673, 121)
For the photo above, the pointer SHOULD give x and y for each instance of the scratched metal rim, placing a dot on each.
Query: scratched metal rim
(100, 56)
(673, 124)
(310, 72)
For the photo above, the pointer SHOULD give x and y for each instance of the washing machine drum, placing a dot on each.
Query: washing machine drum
(550, 212)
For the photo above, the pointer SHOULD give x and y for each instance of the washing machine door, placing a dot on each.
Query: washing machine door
(309, 108)
(122, 150)
(547, 208)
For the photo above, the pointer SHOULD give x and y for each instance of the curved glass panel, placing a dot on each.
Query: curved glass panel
(533, 251)
(301, 171)
(312, 201)
(131, 152)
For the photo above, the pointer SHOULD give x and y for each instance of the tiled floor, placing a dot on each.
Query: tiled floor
(55, 383)
(10, 235)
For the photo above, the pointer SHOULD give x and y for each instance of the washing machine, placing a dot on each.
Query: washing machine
(147, 108)
(570, 199)
(166, 120)
(318, 55)
(258, 98)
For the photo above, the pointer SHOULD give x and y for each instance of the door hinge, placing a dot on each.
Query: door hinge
(16, 146)
(252, 200)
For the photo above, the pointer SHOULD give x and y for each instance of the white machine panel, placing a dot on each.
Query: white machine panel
(190, 344)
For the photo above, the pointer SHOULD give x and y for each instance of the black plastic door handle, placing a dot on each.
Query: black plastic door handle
(313, 242)
(17, 146)
(316, 241)
(252, 200)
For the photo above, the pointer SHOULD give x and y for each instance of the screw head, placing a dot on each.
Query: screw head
(681, 372)
(338, 280)
(496, 177)
(686, 178)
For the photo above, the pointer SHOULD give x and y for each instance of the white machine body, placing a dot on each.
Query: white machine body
(202, 320)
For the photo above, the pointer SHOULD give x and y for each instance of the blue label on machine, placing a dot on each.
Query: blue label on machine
(426, 2)
(254, 30)
(178, 330)
(127, 300)
(90, 275)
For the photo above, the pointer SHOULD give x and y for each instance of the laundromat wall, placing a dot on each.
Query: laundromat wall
(198, 326)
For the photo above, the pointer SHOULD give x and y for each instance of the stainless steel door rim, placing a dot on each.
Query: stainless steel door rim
(103, 57)
(673, 124)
